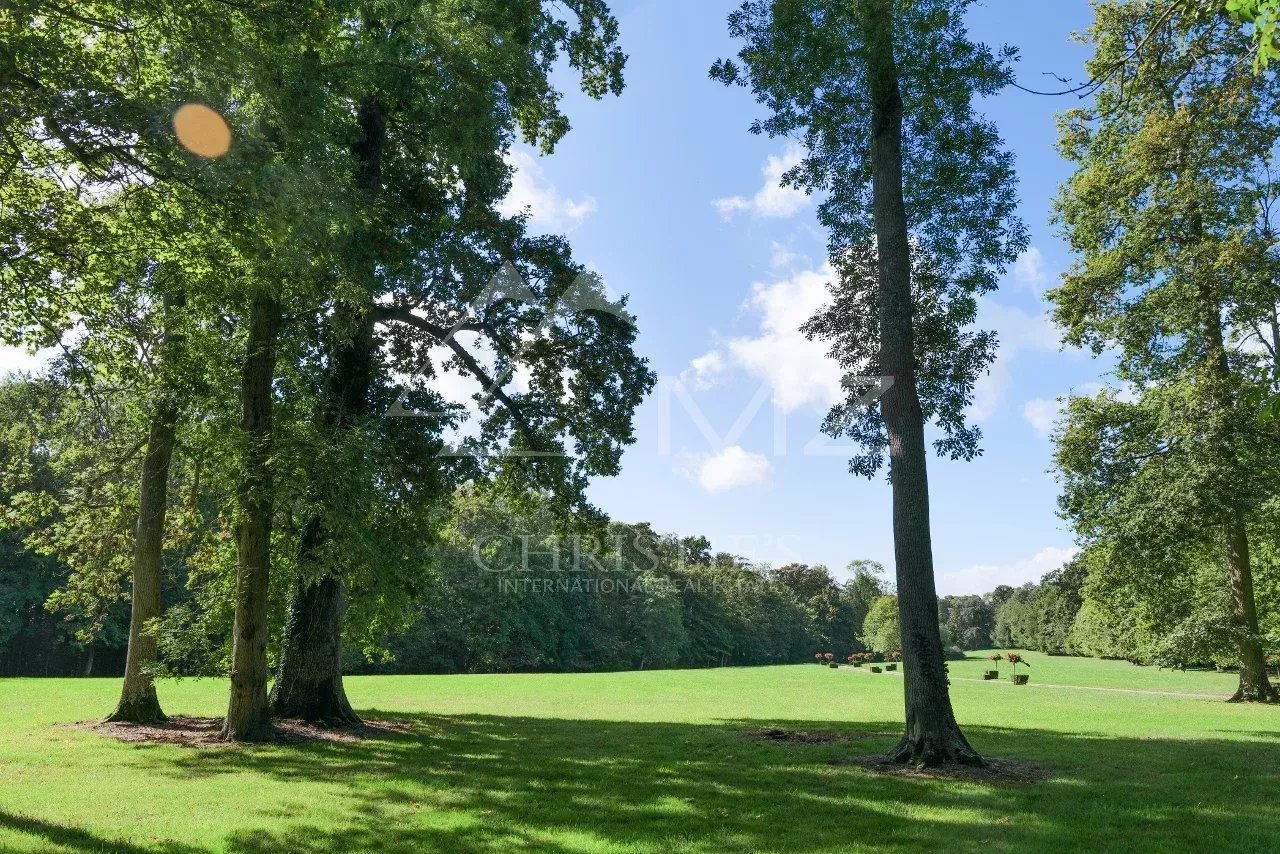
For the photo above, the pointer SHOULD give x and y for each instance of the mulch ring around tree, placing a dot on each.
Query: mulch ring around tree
(998, 770)
(203, 732)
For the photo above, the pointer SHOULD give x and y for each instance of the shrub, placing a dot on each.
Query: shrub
(880, 629)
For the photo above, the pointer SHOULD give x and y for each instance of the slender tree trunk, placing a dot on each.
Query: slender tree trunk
(1274, 323)
(138, 701)
(1254, 686)
(932, 736)
(247, 713)
(309, 682)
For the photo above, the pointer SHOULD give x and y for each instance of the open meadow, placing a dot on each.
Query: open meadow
(1138, 759)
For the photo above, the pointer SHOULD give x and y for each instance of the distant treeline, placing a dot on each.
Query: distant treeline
(503, 589)
(510, 588)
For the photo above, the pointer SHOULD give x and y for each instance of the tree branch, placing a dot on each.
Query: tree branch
(383, 314)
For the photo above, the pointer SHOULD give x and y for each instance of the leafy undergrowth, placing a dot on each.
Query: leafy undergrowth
(684, 761)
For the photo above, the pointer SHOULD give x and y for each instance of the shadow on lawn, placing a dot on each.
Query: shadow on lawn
(76, 839)
(487, 783)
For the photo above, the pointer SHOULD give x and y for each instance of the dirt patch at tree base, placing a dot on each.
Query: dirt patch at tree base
(203, 732)
(998, 770)
(792, 736)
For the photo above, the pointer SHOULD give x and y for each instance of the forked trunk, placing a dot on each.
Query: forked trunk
(932, 736)
(247, 713)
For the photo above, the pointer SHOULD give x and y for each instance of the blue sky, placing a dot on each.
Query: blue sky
(667, 195)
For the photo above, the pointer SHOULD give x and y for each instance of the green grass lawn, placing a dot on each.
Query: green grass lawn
(658, 761)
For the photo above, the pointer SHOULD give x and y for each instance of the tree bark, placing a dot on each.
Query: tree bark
(1254, 686)
(932, 736)
(138, 700)
(247, 712)
(309, 680)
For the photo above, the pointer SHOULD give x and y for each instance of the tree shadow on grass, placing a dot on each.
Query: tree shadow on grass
(490, 783)
(76, 839)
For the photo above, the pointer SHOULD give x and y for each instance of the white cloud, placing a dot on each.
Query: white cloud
(783, 257)
(15, 360)
(1126, 393)
(531, 189)
(733, 468)
(1030, 270)
(983, 577)
(1018, 331)
(988, 391)
(772, 199)
(1042, 414)
(799, 371)
(705, 371)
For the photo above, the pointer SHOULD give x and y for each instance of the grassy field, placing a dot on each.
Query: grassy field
(1141, 760)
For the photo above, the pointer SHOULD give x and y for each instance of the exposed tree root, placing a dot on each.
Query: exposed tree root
(930, 752)
(143, 709)
(1260, 695)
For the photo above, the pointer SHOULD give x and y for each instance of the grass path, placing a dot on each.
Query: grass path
(659, 761)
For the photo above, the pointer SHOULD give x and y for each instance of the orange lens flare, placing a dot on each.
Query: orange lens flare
(202, 131)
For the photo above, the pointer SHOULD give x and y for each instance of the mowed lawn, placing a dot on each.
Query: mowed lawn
(660, 761)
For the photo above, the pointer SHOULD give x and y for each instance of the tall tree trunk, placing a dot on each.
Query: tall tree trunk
(932, 736)
(1254, 686)
(1274, 323)
(309, 681)
(138, 701)
(247, 713)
